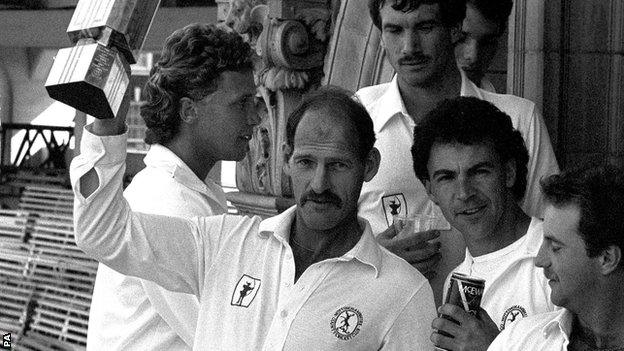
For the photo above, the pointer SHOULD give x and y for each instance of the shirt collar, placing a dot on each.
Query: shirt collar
(391, 104)
(164, 159)
(367, 250)
(562, 323)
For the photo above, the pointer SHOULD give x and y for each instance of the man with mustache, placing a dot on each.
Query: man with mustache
(201, 87)
(303, 272)
(418, 37)
(473, 164)
(582, 259)
(481, 30)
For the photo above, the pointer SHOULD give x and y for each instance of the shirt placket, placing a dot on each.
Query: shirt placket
(293, 297)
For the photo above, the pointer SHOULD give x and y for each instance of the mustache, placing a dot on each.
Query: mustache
(326, 196)
(413, 59)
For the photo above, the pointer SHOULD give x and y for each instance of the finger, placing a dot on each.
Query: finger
(442, 341)
(428, 265)
(387, 234)
(445, 325)
(427, 252)
(457, 313)
(413, 239)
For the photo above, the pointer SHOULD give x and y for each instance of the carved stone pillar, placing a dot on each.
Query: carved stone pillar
(290, 38)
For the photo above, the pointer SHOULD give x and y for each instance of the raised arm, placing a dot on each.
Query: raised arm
(169, 251)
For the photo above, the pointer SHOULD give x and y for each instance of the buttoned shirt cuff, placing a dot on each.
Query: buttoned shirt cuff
(97, 151)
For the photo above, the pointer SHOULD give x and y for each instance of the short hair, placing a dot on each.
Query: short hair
(451, 11)
(497, 11)
(337, 102)
(598, 191)
(190, 65)
(470, 121)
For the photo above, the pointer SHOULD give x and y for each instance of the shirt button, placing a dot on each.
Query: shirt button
(284, 314)
(288, 284)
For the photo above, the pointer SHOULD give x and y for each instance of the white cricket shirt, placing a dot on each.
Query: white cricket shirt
(129, 313)
(514, 287)
(542, 332)
(242, 269)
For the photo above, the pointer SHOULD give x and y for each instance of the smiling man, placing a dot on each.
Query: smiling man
(473, 164)
(481, 31)
(418, 37)
(311, 277)
(582, 259)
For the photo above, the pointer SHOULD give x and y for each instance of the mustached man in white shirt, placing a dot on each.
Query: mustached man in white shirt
(481, 31)
(582, 259)
(418, 38)
(199, 91)
(473, 164)
(313, 277)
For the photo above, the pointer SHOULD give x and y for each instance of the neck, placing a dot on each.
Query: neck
(421, 99)
(326, 244)
(601, 322)
(512, 225)
(199, 163)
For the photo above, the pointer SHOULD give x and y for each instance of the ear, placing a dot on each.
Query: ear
(188, 112)
(372, 164)
(510, 173)
(609, 259)
(286, 153)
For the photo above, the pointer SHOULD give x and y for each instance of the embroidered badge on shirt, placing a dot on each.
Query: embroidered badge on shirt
(513, 314)
(346, 323)
(245, 291)
(393, 205)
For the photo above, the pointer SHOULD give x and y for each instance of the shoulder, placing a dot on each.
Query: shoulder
(368, 96)
(404, 276)
(510, 104)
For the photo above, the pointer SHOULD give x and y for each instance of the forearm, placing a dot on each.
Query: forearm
(150, 247)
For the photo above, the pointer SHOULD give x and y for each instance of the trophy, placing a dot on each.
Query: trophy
(93, 75)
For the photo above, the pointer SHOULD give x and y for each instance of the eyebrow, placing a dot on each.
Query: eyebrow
(551, 238)
(472, 168)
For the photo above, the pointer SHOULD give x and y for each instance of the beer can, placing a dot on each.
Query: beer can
(466, 292)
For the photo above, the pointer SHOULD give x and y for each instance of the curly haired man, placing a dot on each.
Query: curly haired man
(199, 110)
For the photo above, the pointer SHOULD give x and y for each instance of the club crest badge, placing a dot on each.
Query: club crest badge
(393, 205)
(513, 314)
(245, 291)
(346, 323)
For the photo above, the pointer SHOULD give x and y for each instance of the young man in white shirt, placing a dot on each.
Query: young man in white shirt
(312, 277)
(196, 91)
(473, 164)
(582, 259)
(419, 38)
(481, 30)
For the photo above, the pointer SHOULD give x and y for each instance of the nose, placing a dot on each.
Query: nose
(471, 51)
(465, 189)
(319, 182)
(253, 117)
(411, 43)
(541, 260)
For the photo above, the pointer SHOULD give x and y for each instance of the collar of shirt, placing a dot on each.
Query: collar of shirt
(367, 250)
(162, 158)
(562, 323)
(390, 104)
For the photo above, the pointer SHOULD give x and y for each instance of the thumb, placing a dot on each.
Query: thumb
(387, 234)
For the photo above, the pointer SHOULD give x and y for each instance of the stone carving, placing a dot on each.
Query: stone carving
(290, 39)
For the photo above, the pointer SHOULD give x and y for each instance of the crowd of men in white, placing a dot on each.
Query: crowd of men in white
(332, 272)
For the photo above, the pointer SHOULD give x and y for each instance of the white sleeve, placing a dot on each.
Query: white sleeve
(132, 243)
(542, 163)
(412, 328)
